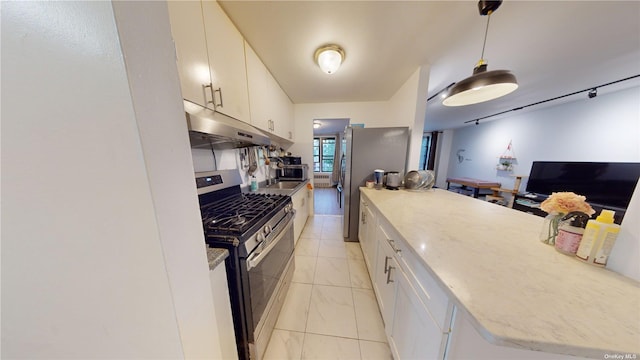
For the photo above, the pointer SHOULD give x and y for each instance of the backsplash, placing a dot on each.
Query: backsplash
(229, 159)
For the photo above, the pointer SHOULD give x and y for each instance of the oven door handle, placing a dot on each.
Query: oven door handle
(256, 257)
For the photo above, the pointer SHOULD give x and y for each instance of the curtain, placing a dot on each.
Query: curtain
(433, 147)
(335, 174)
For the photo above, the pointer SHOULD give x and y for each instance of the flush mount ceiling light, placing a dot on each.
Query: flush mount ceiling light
(483, 85)
(329, 58)
(316, 125)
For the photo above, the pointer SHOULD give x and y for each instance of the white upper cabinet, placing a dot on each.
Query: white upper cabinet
(271, 109)
(187, 28)
(257, 80)
(219, 70)
(225, 47)
(210, 52)
(281, 109)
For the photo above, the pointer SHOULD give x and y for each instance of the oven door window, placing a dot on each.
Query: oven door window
(264, 277)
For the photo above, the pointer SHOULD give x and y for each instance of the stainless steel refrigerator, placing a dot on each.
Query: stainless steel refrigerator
(368, 149)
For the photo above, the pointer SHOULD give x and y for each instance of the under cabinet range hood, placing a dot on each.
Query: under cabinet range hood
(211, 129)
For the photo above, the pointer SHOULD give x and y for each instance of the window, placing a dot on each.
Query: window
(428, 150)
(324, 149)
(424, 151)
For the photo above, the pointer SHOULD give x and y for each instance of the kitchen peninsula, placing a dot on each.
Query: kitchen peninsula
(519, 297)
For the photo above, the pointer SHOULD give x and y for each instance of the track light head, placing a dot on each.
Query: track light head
(593, 93)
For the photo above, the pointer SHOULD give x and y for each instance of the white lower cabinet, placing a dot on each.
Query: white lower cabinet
(405, 305)
(420, 320)
(222, 306)
(414, 334)
(300, 200)
(367, 235)
(384, 282)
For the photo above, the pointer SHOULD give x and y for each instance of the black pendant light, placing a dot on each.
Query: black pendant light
(483, 85)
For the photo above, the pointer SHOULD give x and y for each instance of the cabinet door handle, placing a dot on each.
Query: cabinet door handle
(386, 260)
(392, 242)
(219, 91)
(389, 274)
(213, 97)
(364, 217)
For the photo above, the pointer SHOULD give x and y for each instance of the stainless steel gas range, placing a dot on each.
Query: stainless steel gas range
(257, 229)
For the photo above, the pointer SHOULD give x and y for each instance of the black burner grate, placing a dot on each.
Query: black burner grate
(237, 214)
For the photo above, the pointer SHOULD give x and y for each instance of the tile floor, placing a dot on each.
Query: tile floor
(330, 311)
(325, 201)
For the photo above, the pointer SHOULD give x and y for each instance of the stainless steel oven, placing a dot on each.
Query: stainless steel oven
(257, 229)
(269, 271)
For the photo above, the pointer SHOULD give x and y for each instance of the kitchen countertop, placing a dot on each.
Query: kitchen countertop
(515, 290)
(216, 256)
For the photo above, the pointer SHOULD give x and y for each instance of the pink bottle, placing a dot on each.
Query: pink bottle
(570, 232)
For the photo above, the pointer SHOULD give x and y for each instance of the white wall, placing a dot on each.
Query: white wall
(100, 256)
(230, 159)
(408, 106)
(403, 109)
(605, 128)
(155, 88)
(372, 114)
(443, 156)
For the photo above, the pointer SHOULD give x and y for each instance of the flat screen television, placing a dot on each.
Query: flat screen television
(609, 184)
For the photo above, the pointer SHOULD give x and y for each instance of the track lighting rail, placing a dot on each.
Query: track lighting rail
(446, 89)
(593, 92)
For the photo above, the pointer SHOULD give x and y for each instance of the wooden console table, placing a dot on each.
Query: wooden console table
(475, 184)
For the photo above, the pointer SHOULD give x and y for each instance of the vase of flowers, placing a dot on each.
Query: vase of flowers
(557, 206)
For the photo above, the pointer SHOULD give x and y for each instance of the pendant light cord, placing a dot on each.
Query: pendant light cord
(486, 31)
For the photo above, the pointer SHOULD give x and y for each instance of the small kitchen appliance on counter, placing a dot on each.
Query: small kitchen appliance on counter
(257, 229)
(393, 180)
(292, 160)
(297, 172)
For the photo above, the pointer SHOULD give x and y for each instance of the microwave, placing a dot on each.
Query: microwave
(292, 160)
(297, 172)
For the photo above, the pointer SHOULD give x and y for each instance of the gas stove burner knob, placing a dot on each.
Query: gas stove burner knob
(260, 237)
(267, 229)
(288, 208)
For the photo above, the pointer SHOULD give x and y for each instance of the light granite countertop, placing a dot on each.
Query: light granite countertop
(515, 290)
(216, 256)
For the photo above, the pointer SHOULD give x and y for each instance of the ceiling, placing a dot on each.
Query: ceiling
(330, 126)
(553, 47)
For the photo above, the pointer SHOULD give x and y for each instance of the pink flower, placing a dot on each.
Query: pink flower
(566, 202)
